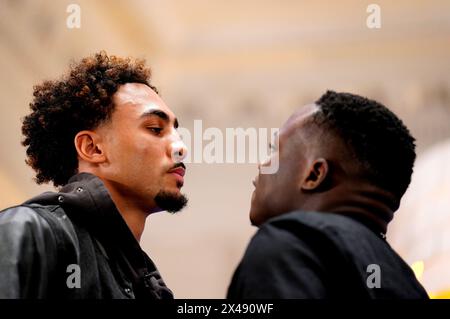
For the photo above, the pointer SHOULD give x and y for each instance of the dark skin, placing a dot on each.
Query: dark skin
(317, 172)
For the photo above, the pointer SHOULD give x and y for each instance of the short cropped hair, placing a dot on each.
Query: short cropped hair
(378, 139)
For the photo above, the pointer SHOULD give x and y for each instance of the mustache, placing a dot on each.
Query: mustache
(180, 164)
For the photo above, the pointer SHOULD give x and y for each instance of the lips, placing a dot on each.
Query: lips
(179, 171)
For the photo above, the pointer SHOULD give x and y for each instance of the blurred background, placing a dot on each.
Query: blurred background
(247, 64)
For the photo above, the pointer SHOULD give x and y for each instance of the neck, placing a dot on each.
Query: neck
(360, 200)
(133, 215)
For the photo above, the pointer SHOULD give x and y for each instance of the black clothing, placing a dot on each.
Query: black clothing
(321, 255)
(81, 226)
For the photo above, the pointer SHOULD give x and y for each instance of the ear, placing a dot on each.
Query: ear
(89, 147)
(318, 172)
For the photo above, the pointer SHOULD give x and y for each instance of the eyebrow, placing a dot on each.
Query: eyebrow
(161, 114)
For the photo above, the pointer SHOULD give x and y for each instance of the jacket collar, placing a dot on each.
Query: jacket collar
(87, 202)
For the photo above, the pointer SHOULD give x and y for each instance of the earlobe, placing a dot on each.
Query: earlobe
(88, 146)
(318, 172)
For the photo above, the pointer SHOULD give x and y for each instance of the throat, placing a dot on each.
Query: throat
(136, 224)
(132, 213)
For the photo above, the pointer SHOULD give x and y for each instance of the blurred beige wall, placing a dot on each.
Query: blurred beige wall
(230, 64)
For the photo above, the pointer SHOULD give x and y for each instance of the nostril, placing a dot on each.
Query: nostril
(178, 151)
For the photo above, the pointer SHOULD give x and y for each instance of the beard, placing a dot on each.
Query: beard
(170, 202)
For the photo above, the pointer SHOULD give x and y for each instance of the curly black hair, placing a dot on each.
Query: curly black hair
(378, 139)
(80, 100)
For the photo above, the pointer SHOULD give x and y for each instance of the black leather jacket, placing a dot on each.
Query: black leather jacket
(44, 240)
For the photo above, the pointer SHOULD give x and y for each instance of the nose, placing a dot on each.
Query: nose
(178, 149)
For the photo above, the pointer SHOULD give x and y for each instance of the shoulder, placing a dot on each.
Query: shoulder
(27, 240)
(296, 235)
(22, 216)
(35, 250)
(299, 225)
(283, 260)
(37, 221)
(311, 235)
(309, 226)
(323, 222)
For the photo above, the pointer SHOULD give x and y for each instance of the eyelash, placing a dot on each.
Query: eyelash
(156, 130)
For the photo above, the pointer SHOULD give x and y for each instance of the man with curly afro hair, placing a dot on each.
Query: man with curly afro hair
(103, 136)
(344, 164)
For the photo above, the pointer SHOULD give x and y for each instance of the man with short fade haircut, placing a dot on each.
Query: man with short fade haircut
(344, 164)
(105, 138)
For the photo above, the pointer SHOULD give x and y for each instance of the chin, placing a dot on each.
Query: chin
(175, 191)
(174, 188)
(253, 217)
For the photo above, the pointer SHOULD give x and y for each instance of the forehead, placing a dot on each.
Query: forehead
(297, 120)
(132, 100)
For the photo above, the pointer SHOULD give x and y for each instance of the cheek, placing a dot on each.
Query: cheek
(150, 160)
(135, 155)
(274, 189)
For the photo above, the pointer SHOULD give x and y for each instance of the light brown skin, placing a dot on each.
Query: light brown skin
(317, 173)
(131, 156)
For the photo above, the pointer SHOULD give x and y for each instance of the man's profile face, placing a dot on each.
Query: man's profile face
(144, 149)
(275, 194)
